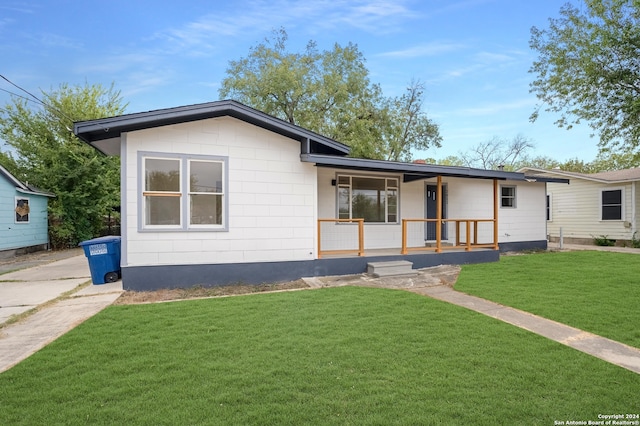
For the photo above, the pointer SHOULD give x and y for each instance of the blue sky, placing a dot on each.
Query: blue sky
(472, 55)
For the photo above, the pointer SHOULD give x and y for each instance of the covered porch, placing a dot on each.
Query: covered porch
(447, 234)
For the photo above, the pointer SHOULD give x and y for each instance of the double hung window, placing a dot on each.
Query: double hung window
(508, 196)
(183, 192)
(612, 205)
(375, 199)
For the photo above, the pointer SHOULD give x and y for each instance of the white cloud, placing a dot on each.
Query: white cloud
(429, 49)
(496, 108)
(260, 17)
(20, 7)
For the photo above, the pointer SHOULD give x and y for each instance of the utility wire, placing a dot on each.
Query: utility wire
(55, 110)
(17, 95)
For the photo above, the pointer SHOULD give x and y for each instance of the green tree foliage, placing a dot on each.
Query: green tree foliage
(329, 92)
(605, 161)
(407, 126)
(47, 155)
(588, 68)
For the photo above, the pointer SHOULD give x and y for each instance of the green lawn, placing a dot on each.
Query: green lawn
(594, 291)
(348, 355)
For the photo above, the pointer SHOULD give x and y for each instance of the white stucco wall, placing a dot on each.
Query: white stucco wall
(466, 199)
(377, 235)
(473, 199)
(271, 196)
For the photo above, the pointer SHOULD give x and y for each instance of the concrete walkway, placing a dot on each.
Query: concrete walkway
(437, 283)
(57, 288)
(608, 350)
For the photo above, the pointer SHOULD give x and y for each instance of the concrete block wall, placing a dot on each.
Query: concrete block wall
(271, 196)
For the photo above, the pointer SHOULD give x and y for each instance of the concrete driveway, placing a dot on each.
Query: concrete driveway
(62, 282)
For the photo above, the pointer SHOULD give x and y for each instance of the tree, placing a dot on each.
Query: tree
(48, 156)
(608, 160)
(539, 162)
(409, 128)
(329, 92)
(497, 152)
(588, 69)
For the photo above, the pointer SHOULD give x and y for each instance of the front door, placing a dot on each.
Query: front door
(432, 209)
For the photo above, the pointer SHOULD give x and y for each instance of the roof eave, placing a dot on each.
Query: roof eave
(412, 170)
(110, 129)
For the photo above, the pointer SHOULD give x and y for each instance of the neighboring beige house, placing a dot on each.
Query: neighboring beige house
(592, 205)
(221, 193)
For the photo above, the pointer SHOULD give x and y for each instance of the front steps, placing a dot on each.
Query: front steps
(390, 269)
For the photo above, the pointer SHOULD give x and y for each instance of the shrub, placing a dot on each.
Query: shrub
(603, 240)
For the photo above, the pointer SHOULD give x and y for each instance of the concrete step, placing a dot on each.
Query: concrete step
(390, 269)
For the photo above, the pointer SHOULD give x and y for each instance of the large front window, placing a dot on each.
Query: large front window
(183, 192)
(375, 199)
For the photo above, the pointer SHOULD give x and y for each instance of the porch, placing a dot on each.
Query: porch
(346, 237)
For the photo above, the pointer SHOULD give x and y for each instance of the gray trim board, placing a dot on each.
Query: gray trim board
(124, 233)
(523, 246)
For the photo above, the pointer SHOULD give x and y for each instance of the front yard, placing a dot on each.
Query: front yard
(345, 355)
(594, 291)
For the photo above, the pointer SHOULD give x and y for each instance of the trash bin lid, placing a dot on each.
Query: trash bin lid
(107, 239)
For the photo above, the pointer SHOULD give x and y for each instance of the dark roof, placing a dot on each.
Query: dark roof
(411, 171)
(22, 187)
(615, 176)
(104, 134)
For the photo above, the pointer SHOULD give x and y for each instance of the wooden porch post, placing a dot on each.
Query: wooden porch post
(496, 199)
(439, 214)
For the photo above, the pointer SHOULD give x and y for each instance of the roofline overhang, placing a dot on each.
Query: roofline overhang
(21, 187)
(44, 194)
(105, 134)
(411, 171)
(573, 175)
(547, 179)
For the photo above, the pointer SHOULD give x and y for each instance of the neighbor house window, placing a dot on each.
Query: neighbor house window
(374, 199)
(612, 205)
(549, 207)
(183, 192)
(508, 196)
(22, 210)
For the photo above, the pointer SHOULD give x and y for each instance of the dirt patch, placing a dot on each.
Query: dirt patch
(426, 277)
(164, 295)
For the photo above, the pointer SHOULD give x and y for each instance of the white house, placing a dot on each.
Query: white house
(592, 205)
(23, 216)
(221, 193)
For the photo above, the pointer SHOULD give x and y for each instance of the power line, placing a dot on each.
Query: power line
(17, 95)
(53, 109)
(24, 90)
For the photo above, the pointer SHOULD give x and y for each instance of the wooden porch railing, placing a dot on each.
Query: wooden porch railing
(468, 244)
(359, 250)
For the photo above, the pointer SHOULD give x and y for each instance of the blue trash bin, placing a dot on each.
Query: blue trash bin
(104, 258)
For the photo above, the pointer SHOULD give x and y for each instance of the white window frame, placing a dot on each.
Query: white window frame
(16, 221)
(515, 197)
(387, 188)
(601, 205)
(184, 193)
